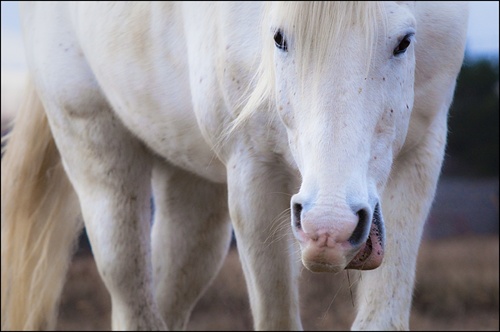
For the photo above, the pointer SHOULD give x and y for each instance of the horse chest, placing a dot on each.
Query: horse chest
(175, 136)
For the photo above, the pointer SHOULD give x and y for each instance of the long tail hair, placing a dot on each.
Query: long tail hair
(40, 221)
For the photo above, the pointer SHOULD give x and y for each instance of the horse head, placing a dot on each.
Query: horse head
(343, 82)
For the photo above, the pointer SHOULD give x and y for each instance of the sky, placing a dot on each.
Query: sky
(482, 36)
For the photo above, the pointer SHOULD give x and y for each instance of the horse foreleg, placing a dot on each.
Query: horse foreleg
(191, 236)
(385, 294)
(110, 171)
(257, 201)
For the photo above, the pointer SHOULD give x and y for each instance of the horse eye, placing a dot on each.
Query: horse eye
(403, 45)
(279, 41)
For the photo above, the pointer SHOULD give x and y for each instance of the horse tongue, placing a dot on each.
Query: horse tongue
(371, 253)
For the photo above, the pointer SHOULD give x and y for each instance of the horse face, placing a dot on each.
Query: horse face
(346, 121)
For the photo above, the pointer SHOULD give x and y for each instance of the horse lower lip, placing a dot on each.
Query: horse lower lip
(364, 252)
(371, 252)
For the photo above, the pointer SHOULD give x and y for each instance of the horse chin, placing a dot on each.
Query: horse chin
(315, 266)
(324, 259)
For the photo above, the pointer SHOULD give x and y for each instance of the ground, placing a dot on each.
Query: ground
(457, 289)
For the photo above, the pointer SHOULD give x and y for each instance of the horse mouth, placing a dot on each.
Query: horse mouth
(371, 253)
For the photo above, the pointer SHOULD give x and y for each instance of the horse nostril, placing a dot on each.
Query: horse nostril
(297, 210)
(362, 228)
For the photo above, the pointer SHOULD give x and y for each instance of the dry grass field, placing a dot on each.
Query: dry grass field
(457, 289)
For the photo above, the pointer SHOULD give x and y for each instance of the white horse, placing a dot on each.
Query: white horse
(225, 110)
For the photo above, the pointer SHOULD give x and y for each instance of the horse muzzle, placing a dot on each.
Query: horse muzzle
(349, 244)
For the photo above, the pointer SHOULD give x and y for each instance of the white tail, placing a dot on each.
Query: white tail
(40, 221)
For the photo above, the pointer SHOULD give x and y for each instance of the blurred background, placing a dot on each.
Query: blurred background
(457, 279)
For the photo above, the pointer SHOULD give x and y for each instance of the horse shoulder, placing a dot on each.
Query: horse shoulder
(223, 49)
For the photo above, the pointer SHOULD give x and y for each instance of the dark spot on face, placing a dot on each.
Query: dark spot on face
(383, 78)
